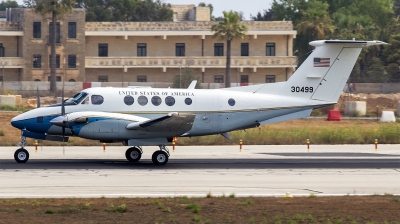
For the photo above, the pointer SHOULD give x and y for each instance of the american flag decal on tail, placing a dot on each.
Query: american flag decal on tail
(322, 62)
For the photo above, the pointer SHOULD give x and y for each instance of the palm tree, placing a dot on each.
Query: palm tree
(56, 8)
(315, 20)
(231, 27)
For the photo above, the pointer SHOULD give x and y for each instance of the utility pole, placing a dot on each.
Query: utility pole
(2, 77)
(123, 70)
(180, 76)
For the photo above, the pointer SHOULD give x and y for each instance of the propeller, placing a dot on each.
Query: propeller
(63, 114)
(37, 97)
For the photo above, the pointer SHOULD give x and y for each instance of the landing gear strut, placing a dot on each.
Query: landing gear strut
(21, 155)
(160, 157)
(134, 154)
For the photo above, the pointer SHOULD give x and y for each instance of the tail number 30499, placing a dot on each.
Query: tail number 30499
(306, 89)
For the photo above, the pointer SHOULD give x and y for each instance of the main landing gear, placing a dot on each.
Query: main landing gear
(21, 155)
(159, 157)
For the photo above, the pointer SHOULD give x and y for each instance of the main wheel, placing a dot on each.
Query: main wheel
(133, 154)
(159, 158)
(21, 155)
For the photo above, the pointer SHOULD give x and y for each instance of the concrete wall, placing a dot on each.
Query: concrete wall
(373, 88)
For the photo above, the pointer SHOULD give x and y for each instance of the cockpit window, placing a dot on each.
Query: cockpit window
(78, 98)
(97, 99)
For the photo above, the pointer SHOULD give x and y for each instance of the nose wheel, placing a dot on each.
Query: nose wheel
(21, 155)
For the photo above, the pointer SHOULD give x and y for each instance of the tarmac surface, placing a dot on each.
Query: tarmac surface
(267, 170)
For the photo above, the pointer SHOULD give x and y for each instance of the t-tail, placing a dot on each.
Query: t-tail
(325, 72)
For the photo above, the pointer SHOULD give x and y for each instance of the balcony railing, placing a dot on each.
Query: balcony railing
(195, 62)
(11, 62)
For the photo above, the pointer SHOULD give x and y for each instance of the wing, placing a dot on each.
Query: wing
(173, 122)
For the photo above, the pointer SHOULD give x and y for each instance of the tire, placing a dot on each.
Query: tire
(21, 155)
(133, 154)
(160, 158)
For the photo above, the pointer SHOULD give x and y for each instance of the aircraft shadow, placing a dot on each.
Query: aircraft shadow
(76, 164)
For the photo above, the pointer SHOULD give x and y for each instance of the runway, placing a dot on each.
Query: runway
(268, 170)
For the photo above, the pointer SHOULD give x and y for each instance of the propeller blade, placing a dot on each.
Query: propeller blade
(37, 97)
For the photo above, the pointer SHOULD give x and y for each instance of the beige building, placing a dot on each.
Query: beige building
(142, 51)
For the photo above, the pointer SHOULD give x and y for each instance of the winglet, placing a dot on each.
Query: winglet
(192, 84)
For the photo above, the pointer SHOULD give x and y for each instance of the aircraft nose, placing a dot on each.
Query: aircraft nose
(18, 122)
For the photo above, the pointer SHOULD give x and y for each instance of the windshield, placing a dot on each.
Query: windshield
(78, 98)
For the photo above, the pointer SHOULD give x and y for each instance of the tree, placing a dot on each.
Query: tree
(8, 4)
(268, 15)
(56, 8)
(185, 78)
(315, 20)
(228, 29)
(126, 10)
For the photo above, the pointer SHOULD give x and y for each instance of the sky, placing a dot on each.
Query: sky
(247, 6)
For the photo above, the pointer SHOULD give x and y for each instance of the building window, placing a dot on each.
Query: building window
(218, 79)
(37, 61)
(57, 61)
(2, 50)
(218, 49)
(58, 78)
(71, 61)
(71, 80)
(71, 29)
(103, 78)
(244, 50)
(244, 79)
(269, 78)
(37, 30)
(270, 49)
(58, 36)
(141, 50)
(103, 50)
(1, 78)
(180, 50)
(141, 78)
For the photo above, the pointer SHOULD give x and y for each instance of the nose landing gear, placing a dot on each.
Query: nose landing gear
(21, 155)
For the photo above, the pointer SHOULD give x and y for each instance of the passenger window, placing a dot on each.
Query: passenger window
(142, 100)
(128, 100)
(156, 100)
(169, 100)
(188, 101)
(97, 99)
(231, 102)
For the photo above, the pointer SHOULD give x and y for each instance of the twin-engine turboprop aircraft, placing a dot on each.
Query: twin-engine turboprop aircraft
(144, 116)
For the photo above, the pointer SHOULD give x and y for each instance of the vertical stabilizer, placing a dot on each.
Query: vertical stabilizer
(323, 75)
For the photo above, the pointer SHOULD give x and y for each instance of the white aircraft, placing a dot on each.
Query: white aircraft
(140, 117)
